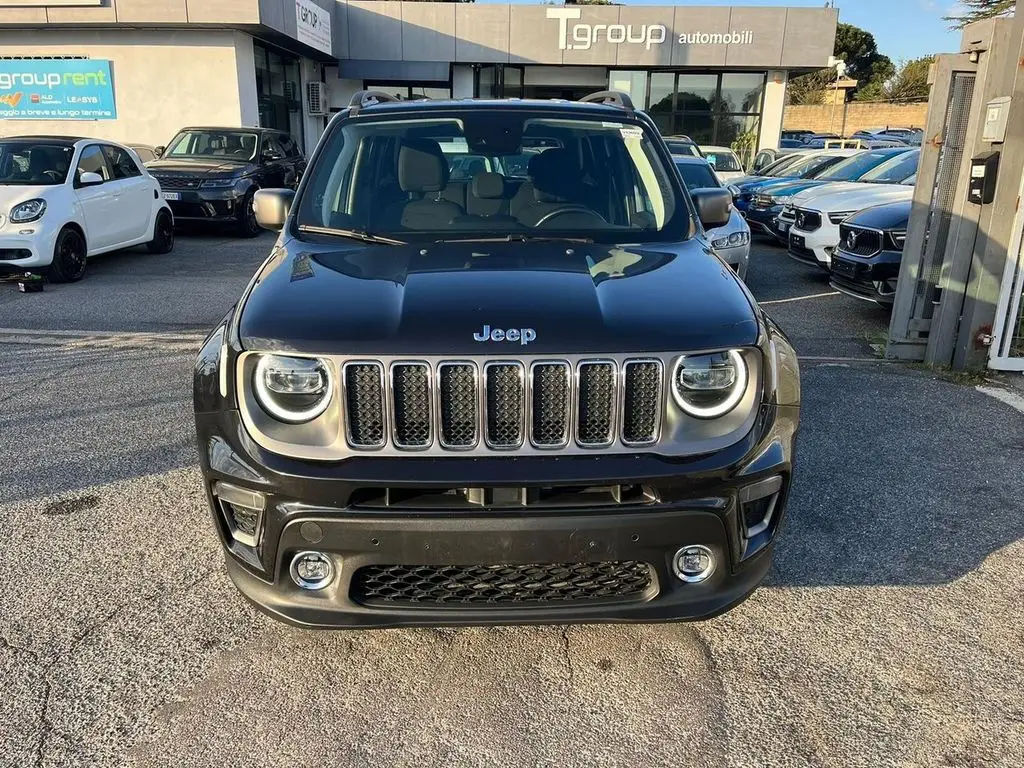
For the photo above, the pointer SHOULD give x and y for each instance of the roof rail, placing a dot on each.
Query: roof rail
(615, 98)
(362, 99)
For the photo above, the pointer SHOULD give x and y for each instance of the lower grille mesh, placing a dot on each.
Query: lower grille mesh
(500, 584)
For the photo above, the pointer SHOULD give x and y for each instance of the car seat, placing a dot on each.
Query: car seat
(422, 170)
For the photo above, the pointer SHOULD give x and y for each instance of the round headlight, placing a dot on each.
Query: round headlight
(707, 386)
(292, 389)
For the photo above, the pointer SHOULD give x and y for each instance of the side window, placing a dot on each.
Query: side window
(121, 163)
(92, 160)
(273, 144)
(291, 149)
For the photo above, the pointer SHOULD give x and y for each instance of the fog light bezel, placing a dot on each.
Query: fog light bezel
(697, 578)
(229, 495)
(307, 584)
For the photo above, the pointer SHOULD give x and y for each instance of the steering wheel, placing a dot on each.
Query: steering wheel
(566, 210)
(55, 175)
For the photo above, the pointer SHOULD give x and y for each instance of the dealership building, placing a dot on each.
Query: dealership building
(137, 70)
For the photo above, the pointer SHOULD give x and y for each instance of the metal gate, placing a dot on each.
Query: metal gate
(1007, 350)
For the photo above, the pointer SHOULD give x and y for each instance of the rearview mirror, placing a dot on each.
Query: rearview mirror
(272, 207)
(89, 179)
(714, 204)
(159, 151)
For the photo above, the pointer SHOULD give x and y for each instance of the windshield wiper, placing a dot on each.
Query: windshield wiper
(352, 234)
(517, 238)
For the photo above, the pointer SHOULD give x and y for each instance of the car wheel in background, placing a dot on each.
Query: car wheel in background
(247, 225)
(163, 234)
(69, 257)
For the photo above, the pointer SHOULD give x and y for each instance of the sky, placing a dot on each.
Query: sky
(903, 29)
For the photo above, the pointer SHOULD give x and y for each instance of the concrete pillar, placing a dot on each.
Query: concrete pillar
(340, 90)
(462, 81)
(245, 66)
(771, 112)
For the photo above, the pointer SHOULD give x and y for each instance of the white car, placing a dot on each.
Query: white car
(727, 165)
(64, 200)
(731, 242)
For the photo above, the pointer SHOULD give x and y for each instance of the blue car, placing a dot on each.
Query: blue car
(769, 198)
(788, 168)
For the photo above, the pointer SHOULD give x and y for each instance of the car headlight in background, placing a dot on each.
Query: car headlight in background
(708, 386)
(899, 238)
(840, 216)
(219, 183)
(292, 389)
(733, 240)
(30, 210)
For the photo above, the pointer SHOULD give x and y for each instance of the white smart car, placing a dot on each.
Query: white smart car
(65, 199)
(731, 242)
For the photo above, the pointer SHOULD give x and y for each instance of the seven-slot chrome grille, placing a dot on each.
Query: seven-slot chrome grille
(502, 405)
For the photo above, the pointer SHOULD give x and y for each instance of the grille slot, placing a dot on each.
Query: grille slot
(642, 402)
(550, 404)
(410, 387)
(458, 402)
(489, 585)
(506, 404)
(364, 388)
(595, 412)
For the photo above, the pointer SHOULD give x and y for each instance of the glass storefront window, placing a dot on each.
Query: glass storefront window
(278, 90)
(741, 92)
(696, 92)
(699, 127)
(662, 99)
(631, 82)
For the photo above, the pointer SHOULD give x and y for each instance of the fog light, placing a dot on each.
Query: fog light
(312, 570)
(693, 563)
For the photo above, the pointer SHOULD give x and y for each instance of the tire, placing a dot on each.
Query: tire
(69, 257)
(163, 234)
(247, 226)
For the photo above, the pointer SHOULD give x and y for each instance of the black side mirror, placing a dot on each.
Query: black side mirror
(270, 155)
(714, 205)
(159, 151)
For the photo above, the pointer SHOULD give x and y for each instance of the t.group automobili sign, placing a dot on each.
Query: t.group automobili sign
(581, 37)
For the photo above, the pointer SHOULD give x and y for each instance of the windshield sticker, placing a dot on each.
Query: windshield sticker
(631, 133)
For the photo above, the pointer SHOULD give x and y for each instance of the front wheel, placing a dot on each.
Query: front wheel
(69, 256)
(163, 234)
(247, 225)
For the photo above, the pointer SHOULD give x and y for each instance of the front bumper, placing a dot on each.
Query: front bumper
(762, 220)
(737, 257)
(353, 512)
(814, 247)
(26, 252)
(867, 277)
(205, 204)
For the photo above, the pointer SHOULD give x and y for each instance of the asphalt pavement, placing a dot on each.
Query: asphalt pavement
(889, 631)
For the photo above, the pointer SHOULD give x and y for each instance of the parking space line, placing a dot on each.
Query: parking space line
(800, 298)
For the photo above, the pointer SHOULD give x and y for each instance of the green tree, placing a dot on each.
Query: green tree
(910, 83)
(976, 10)
(859, 51)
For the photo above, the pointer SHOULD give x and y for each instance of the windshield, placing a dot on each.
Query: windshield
(697, 175)
(723, 160)
(780, 166)
(34, 163)
(895, 170)
(237, 145)
(812, 167)
(852, 168)
(492, 173)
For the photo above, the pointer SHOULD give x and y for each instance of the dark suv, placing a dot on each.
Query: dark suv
(536, 395)
(211, 174)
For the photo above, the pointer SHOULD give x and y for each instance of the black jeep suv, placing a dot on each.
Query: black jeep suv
(211, 174)
(532, 395)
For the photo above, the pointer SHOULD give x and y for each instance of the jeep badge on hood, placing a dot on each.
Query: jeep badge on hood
(523, 335)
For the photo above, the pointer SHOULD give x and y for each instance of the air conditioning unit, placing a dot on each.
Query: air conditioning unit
(289, 90)
(316, 99)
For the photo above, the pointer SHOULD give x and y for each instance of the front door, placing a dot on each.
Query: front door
(99, 202)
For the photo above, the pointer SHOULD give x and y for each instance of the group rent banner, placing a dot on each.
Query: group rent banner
(56, 89)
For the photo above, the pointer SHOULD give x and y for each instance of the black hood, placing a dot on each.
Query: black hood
(200, 166)
(884, 217)
(435, 298)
